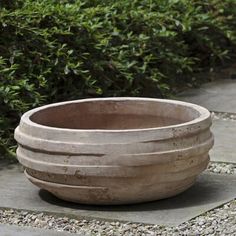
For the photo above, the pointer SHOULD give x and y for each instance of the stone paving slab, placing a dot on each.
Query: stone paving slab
(11, 230)
(219, 96)
(224, 149)
(210, 191)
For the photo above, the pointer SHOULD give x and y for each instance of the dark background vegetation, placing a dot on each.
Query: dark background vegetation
(57, 50)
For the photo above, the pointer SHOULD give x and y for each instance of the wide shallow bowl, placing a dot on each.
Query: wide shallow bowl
(114, 150)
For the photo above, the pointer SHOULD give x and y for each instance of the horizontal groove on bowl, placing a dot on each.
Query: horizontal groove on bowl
(64, 168)
(119, 172)
(123, 159)
(117, 180)
(113, 195)
(98, 187)
(74, 148)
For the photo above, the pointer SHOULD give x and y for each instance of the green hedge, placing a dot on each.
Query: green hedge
(56, 50)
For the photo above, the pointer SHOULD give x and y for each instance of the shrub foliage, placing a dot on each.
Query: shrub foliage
(56, 50)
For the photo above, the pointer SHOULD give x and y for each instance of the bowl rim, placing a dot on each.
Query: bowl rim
(204, 114)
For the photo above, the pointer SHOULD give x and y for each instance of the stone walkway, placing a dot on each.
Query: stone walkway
(210, 192)
(224, 149)
(219, 96)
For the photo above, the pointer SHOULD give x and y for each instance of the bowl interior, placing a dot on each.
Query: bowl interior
(114, 115)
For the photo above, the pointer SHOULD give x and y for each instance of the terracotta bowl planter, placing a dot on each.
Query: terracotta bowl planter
(114, 150)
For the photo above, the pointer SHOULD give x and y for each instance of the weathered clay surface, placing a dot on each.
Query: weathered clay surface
(114, 150)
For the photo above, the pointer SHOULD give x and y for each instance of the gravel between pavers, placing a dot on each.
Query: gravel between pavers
(222, 168)
(223, 116)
